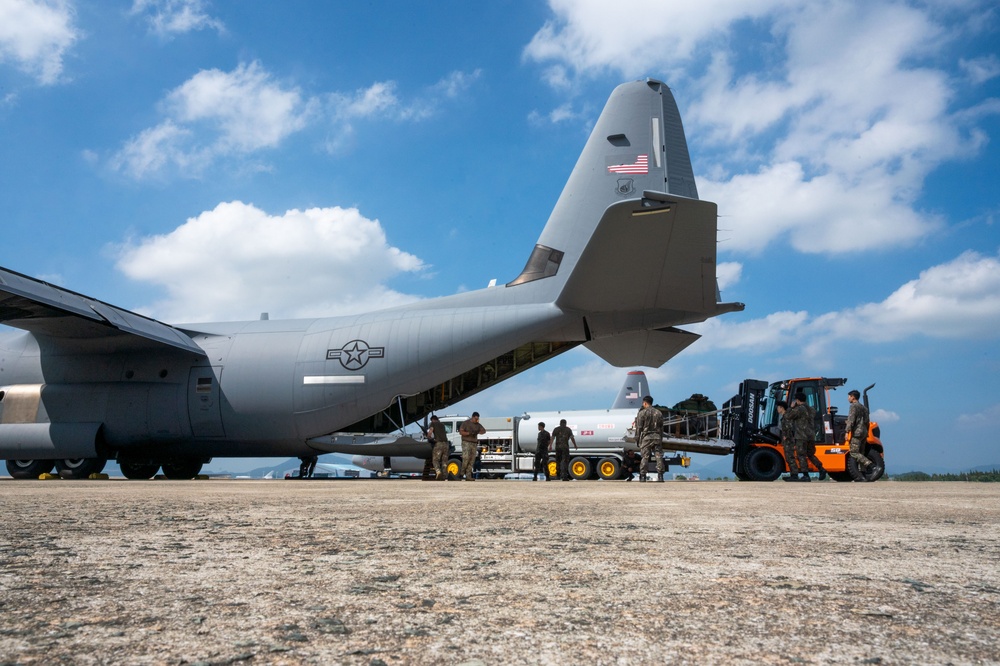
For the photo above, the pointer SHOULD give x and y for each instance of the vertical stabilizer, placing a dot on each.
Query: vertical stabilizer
(632, 391)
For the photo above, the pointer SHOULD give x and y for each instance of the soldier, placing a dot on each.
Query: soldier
(470, 431)
(561, 436)
(542, 452)
(649, 435)
(788, 441)
(857, 426)
(629, 463)
(439, 455)
(806, 446)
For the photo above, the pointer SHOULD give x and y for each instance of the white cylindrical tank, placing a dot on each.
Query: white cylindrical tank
(597, 429)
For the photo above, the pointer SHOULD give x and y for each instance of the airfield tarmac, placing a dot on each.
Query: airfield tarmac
(496, 572)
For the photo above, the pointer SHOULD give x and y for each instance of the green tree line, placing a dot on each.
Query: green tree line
(991, 476)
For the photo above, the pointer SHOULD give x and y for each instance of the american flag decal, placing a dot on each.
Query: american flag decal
(641, 165)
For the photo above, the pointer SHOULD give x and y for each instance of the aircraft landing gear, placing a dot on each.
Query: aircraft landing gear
(80, 468)
(136, 470)
(181, 470)
(29, 469)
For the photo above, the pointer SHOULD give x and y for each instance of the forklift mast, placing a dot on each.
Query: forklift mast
(742, 417)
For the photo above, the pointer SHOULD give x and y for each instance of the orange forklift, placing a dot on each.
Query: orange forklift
(751, 422)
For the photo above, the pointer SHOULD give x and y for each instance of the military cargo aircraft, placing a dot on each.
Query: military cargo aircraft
(84, 381)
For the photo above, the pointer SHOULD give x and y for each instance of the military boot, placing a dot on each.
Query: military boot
(659, 477)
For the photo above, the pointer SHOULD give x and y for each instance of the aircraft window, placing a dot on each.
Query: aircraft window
(543, 262)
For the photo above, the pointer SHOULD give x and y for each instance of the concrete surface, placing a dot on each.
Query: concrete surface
(495, 572)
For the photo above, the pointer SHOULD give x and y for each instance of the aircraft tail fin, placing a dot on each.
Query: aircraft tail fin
(629, 245)
(632, 391)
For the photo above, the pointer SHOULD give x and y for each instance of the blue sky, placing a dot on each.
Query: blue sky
(211, 161)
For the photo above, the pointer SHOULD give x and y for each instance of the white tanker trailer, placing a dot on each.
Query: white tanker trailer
(600, 437)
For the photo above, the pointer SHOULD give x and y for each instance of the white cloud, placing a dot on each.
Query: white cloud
(827, 142)
(988, 417)
(957, 300)
(212, 115)
(883, 416)
(236, 261)
(167, 18)
(981, 70)
(728, 273)
(382, 101)
(35, 35)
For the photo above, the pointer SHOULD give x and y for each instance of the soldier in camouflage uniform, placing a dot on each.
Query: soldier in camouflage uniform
(788, 441)
(857, 426)
(542, 453)
(561, 436)
(470, 431)
(649, 435)
(439, 456)
(806, 447)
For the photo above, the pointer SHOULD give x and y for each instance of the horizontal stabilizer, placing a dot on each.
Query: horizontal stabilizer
(646, 348)
(648, 255)
(42, 308)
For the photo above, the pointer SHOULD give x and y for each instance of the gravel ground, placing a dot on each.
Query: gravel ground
(493, 572)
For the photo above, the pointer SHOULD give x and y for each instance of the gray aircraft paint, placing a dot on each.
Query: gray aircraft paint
(142, 388)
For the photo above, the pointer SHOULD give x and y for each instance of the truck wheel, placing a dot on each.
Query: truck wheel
(138, 470)
(29, 469)
(580, 468)
(763, 464)
(80, 468)
(552, 469)
(454, 468)
(608, 469)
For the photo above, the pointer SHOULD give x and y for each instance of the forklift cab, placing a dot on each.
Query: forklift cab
(817, 394)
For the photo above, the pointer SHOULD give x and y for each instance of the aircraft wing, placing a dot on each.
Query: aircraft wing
(39, 307)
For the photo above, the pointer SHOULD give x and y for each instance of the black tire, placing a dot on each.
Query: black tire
(841, 476)
(29, 469)
(454, 468)
(580, 468)
(873, 472)
(132, 470)
(80, 468)
(742, 476)
(609, 469)
(878, 464)
(763, 464)
(183, 470)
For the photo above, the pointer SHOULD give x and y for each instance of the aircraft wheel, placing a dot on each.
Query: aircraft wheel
(29, 469)
(580, 468)
(183, 470)
(764, 464)
(80, 468)
(873, 473)
(138, 470)
(454, 468)
(609, 468)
